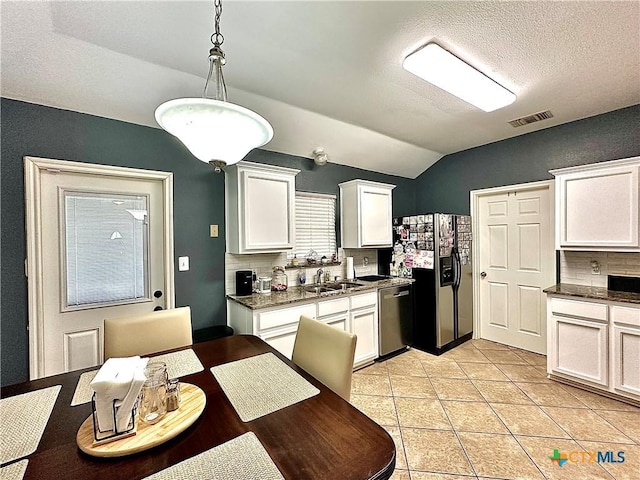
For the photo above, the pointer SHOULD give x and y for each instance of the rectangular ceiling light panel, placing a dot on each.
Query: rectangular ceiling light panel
(446, 71)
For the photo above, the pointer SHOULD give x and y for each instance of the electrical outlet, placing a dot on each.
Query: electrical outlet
(183, 264)
(213, 231)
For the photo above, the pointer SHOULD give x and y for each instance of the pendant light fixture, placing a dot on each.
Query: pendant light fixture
(214, 130)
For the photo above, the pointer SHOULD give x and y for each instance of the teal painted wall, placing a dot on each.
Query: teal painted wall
(34, 130)
(445, 186)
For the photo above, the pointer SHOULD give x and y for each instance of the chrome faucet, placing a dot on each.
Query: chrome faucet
(319, 275)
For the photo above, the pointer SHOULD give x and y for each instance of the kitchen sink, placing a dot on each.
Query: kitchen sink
(348, 284)
(330, 288)
(318, 289)
(372, 278)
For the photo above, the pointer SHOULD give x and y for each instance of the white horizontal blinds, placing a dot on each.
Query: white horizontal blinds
(315, 224)
(106, 248)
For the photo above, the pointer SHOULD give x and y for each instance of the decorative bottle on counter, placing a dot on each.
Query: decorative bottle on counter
(279, 280)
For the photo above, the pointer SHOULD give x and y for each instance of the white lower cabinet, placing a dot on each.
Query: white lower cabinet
(278, 325)
(581, 349)
(281, 341)
(625, 349)
(364, 326)
(595, 343)
(364, 323)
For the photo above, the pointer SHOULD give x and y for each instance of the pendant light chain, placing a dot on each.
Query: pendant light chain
(217, 38)
(215, 131)
(215, 78)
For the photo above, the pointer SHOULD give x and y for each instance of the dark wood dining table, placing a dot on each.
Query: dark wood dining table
(323, 437)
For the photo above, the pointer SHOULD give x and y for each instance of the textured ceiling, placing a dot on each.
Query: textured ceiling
(329, 74)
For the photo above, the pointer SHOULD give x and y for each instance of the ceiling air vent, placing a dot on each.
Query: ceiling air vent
(536, 117)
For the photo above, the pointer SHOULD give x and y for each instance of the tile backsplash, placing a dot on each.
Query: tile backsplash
(263, 263)
(575, 267)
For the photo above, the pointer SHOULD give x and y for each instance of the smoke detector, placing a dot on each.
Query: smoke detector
(319, 157)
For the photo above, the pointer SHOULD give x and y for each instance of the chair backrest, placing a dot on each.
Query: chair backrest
(147, 333)
(326, 353)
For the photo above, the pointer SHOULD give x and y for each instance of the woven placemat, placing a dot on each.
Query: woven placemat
(15, 471)
(260, 385)
(244, 458)
(23, 419)
(179, 364)
(83, 391)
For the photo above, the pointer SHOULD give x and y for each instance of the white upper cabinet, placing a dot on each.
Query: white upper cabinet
(260, 208)
(365, 214)
(597, 206)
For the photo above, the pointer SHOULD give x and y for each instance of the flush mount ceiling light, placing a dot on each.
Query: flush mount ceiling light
(446, 71)
(214, 130)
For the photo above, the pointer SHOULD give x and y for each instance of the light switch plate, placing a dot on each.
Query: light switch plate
(183, 264)
(213, 230)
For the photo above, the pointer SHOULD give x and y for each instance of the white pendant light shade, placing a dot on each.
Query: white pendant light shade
(214, 130)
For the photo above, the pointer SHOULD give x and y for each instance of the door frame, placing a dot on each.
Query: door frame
(33, 168)
(475, 196)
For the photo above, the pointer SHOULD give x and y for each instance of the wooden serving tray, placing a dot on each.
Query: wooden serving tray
(147, 436)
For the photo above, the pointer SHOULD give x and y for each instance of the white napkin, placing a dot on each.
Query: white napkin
(123, 412)
(119, 380)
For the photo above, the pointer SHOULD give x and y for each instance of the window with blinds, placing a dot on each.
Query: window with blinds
(315, 225)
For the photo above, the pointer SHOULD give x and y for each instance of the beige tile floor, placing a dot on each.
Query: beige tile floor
(485, 410)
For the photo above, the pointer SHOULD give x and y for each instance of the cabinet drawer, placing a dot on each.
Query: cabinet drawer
(330, 307)
(364, 300)
(573, 308)
(627, 315)
(285, 316)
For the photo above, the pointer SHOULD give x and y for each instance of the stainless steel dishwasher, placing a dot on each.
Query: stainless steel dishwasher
(395, 318)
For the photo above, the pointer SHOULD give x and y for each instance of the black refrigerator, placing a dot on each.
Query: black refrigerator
(435, 250)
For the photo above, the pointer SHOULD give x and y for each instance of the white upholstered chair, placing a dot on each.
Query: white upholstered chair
(147, 333)
(326, 353)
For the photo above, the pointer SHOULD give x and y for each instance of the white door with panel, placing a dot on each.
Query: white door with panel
(515, 262)
(100, 245)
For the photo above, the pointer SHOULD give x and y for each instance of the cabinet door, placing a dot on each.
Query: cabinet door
(626, 359)
(364, 324)
(598, 209)
(268, 211)
(580, 350)
(282, 341)
(338, 321)
(375, 217)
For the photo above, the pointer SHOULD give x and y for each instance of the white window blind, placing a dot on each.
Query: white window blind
(315, 224)
(106, 248)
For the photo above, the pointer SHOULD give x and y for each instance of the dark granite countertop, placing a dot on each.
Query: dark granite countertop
(596, 293)
(298, 295)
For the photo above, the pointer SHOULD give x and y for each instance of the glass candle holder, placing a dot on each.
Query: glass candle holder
(153, 397)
